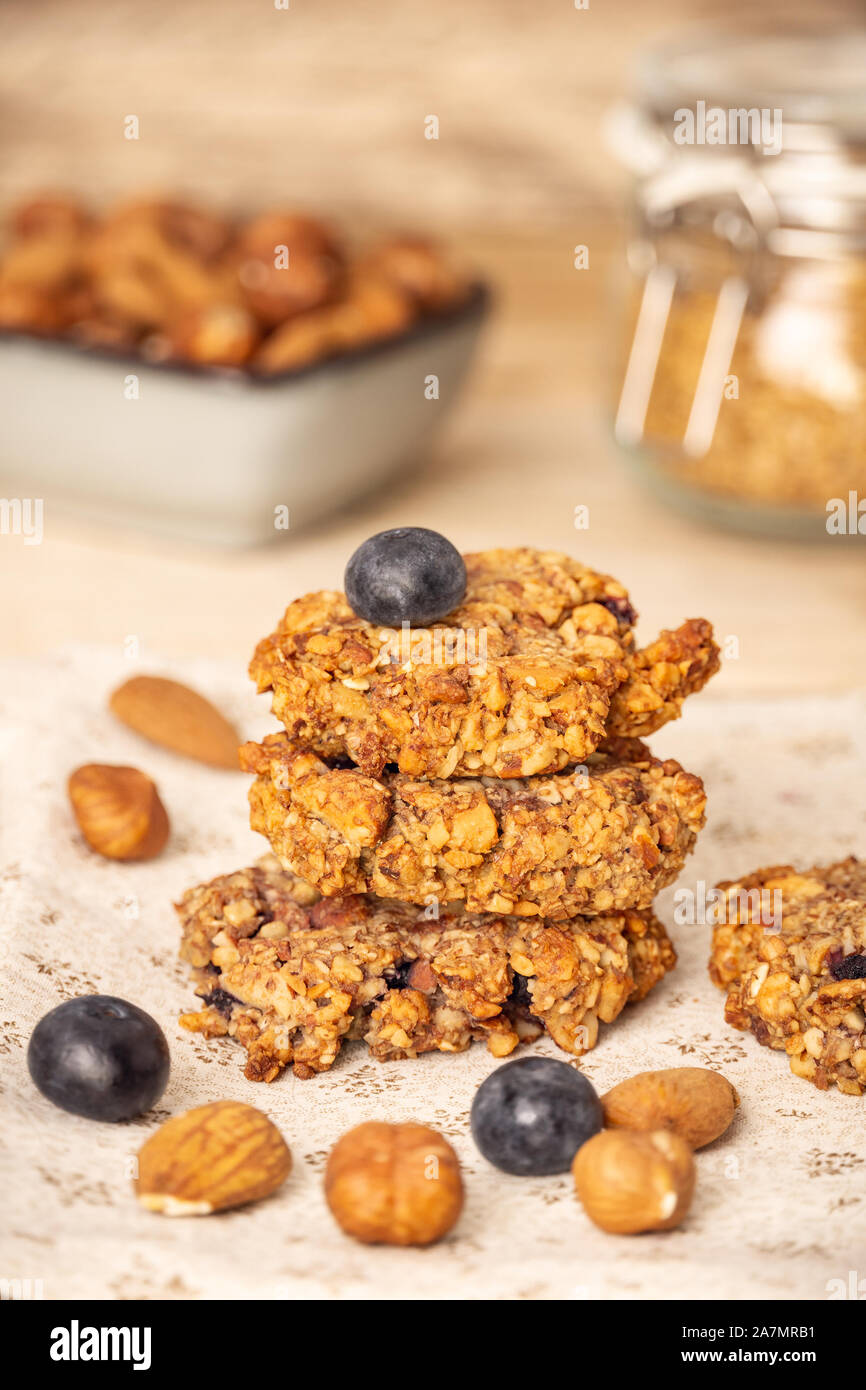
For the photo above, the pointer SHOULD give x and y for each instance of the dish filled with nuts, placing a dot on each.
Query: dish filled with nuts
(172, 282)
(222, 379)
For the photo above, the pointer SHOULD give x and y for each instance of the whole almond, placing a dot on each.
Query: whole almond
(209, 1159)
(118, 811)
(176, 717)
(693, 1102)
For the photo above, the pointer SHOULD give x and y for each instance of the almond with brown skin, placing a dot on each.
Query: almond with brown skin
(178, 718)
(209, 1159)
(118, 811)
(693, 1102)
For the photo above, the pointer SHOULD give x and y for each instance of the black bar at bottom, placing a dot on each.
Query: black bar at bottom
(219, 1341)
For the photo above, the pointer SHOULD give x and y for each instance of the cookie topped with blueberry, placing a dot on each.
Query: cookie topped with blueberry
(501, 663)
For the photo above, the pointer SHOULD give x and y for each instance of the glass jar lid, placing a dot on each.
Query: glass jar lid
(815, 80)
(782, 119)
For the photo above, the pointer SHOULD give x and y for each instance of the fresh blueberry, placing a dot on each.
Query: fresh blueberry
(99, 1056)
(408, 575)
(531, 1116)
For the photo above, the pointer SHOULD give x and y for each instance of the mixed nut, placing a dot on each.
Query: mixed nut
(118, 809)
(392, 1184)
(173, 282)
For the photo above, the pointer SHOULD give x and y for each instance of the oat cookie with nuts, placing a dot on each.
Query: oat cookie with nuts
(606, 838)
(797, 977)
(292, 976)
(529, 673)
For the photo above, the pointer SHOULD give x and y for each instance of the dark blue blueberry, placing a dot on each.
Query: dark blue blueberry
(99, 1056)
(408, 575)
(531, 1116)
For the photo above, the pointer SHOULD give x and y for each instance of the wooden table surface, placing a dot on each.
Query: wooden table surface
(529, 442)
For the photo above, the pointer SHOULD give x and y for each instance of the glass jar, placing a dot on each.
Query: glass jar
(743, 379)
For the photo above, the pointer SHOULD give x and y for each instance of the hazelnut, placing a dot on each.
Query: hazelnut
(693, 1102)
(394, 1184)
(118, 811)
(219, 335)
(630, 1181)
(49, 215)
(420, 268)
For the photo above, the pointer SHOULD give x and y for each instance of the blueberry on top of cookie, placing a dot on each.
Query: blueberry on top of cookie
(406, 575)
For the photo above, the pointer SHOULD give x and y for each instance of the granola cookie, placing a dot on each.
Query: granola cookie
(292, 976)
(605, 838)
(529, 674)
(791, 954)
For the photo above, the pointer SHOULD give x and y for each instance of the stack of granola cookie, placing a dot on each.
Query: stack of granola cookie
(467, 831)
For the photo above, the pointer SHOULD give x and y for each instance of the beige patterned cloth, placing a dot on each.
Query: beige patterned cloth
(780, 1209)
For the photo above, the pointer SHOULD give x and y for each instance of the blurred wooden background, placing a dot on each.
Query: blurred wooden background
(324, 103)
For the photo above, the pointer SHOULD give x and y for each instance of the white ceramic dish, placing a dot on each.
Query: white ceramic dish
(211, 455)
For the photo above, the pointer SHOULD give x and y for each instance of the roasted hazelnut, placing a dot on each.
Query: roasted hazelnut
(394, 1184)
(259, 236)
(194, 230)
(630, 1181)
(44, 262)
(223, 335)
(286, 264)
(28, 310)
(119, 811)
(50, 215)
(419, 268)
